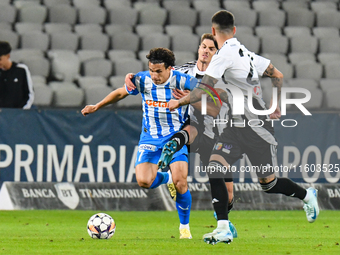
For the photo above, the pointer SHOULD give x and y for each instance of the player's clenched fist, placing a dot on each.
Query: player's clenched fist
(173, 104)
(89, 109)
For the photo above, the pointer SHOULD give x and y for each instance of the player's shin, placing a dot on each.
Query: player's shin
(284, 186)
(183, 205)
(219, 194)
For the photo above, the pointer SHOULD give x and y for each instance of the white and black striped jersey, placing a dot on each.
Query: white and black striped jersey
(238, 66)
(195, 115)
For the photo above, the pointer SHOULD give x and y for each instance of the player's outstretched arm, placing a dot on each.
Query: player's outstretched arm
(212, 108)
(277, 81)
(195, 95)
(111, 98)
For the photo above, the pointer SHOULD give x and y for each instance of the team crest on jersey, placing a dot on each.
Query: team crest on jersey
(218, 146)
(156, 103)
(257, 90)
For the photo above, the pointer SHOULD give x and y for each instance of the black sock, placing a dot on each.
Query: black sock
(230, 205)
(284, 186)
(219, 194)
(181, 138)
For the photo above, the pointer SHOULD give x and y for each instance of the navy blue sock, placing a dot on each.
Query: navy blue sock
(183, 205)
(161, 178)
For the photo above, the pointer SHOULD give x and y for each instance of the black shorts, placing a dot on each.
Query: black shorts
(203, 145)
(233, 142)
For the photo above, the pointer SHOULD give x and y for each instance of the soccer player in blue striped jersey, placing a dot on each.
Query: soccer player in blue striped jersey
(159, 125)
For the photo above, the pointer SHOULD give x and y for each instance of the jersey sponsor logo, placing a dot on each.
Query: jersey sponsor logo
(226, 148)
(148, 147)
(157, 103)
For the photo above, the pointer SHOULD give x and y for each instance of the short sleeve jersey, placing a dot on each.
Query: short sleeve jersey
(239, 67)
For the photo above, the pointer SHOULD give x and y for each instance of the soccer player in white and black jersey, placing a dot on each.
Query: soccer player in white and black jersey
(241, 68)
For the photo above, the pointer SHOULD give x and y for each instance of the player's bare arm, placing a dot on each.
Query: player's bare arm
(195, 95)
(277, 81)
(277, 78)
(223, 95)
(212, 108)
(111, 98)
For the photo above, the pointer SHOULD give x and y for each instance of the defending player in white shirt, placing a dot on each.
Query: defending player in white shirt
(241, 68)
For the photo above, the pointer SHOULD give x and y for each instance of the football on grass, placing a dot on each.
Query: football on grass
(101, 226)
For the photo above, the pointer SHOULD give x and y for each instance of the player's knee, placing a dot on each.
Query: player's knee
(181, 185)
(144, 182)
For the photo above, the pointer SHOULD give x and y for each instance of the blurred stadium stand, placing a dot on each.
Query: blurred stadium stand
(71, 44)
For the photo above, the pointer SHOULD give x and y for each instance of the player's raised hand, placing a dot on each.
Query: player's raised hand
(173, 104)
(178, 94)
(89, 109)
(128, 81)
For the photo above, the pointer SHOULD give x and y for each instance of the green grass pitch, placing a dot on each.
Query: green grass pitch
(260, 232)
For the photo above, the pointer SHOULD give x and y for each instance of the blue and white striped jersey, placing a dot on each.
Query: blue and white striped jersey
(158, 121)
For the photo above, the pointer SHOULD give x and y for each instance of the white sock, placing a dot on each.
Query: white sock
(181, 226)
(307, 197)
(223, 224)
(170, 177)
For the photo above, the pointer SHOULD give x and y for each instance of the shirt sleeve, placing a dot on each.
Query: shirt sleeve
(28, 88)
(261, 64)
(135, 80)
(217, 66)
(191, 83)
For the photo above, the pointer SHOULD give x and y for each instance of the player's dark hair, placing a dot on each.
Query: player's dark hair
(5, 48)
(209, 37)
(224, 20)
(161, 55)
